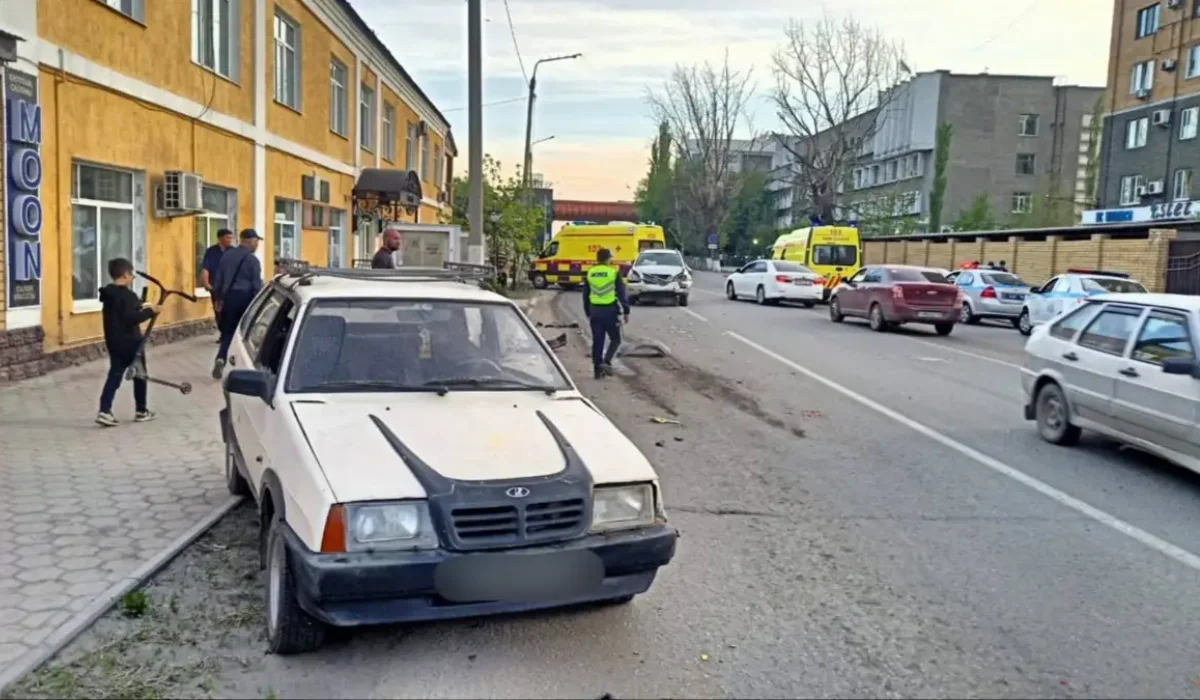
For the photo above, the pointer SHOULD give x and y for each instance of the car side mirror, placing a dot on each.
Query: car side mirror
(1181, 365)
(850, 283)
(249, 382)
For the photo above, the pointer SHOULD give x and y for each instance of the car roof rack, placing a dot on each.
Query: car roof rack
(1100, 273)
(303, 273)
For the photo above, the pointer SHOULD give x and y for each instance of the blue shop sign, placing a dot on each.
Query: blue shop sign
(22, 153)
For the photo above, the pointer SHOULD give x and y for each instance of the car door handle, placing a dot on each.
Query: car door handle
(1070, 356)
(1128, 372)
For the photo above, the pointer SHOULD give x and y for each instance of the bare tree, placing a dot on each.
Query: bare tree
(834, 82)
(704, 105)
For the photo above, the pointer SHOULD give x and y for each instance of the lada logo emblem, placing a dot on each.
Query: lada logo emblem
(517, 492)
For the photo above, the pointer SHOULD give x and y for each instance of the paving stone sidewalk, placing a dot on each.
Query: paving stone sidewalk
(82, 508)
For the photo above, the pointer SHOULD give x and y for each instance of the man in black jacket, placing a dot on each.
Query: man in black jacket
(239, 277)
(124, 313)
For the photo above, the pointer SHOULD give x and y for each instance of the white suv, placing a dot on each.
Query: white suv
(417, 452)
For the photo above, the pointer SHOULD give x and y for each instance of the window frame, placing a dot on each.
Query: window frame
(1176, 315)
(367, 138)
(339, 98)
(296, 222)
(424, 172)
(1147, 21)
(410, 146)
(136, 13)
(1186, 195)
(337, 238)
(279, 45)
(1024, 120)
(91, 303)
(209, 216)
(388, 143)
(1022, 197)
(1134, 181)
(1189, 116)
(1139, 129)
(1031, 159)
(438, 167)
(1121, 310)
(224, 40)
(1092, 308)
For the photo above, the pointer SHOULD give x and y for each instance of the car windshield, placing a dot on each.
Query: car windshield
(360, 345)
(1003, 279)
(908, 274)
(1113, 285)
(834, 255)
(660, 257)
(783, 266)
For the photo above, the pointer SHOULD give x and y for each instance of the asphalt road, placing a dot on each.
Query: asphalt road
(862, 515)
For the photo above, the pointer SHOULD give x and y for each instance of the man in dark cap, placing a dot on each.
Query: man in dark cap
(238, 279)
(604, 300)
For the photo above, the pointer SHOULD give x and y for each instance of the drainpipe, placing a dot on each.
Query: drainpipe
(64, 249)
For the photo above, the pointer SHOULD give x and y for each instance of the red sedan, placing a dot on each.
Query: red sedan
(888, 295)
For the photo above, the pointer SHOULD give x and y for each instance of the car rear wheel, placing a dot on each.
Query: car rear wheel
(808, 304)
(1023, 323)
(878, 322)
(967, 316)
(760, 295)
(290, 630)
(835, 310)
(732, 295)
(943, 328)
(1054, 417)
(539, 281)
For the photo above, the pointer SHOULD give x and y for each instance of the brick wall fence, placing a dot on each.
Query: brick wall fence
(1144, 259)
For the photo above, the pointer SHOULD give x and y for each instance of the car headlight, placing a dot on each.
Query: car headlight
(682, 278)
(404, 525)
(634, 276)
(622, 507)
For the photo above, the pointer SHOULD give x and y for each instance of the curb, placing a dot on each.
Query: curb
(83, 619)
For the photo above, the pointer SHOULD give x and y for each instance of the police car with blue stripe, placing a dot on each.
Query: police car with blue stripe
(989, 293)
(1070, 289)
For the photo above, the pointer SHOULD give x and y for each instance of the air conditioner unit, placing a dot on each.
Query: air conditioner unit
(1168, 64)
(1142, 94)
(1161, 117)
(1140, 191)
(316, 216)
(1154, 187)
(180, 194)
(1173, 3)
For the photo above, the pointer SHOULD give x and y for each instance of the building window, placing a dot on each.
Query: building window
(425, 158)
(366, 117)
(337, 238)
(101, 225)
(133, 9)
(1130, 184)
(1188, 122)
(215, 35)
(1025, 163)
(1193, 62)
(1181, 190)
(389, 132)
(1027, 125)
(287, 62)
(337, 98)
(1136, 131)
(892, 170)
(914, 165)
(1142, 77)
(437, 167)
(1021, 203)
(220, 207)
(1147, 21)
(410, 141)
(286, 239)
(874, 175)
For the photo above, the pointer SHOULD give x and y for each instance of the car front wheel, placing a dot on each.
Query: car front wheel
(290, 630)
(732, 295)
(539, 281)
(1054, 416)
(682, 300)
(835, 310)
(1024, 324)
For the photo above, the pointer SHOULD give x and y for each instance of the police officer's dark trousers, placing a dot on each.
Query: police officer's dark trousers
(605, 322)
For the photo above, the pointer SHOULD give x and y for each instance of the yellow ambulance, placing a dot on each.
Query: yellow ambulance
(573, 250)
(834, 252)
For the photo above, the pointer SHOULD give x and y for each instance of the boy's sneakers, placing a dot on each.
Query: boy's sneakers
(218, 368)
(107, 420)
(144, 416)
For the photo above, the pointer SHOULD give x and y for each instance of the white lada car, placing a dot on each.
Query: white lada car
(417, 452)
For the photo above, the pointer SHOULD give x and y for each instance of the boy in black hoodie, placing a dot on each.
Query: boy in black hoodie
(124, 314)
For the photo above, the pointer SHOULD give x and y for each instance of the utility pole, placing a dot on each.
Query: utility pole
(475, 249)
(527, 164)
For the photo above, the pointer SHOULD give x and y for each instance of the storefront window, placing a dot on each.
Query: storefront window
(101, 226)
(286, 238)
(337, 237)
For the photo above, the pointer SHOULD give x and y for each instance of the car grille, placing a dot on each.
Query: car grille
(499, 525)
(656, 279)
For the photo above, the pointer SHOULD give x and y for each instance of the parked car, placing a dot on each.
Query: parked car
(416, 452)
(1070, 289)
(657, 275)
(889, 295)
(774, 281)
(990, 294)
(1123, 365)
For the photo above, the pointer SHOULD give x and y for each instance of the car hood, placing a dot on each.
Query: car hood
(671, 270)
(471, 436)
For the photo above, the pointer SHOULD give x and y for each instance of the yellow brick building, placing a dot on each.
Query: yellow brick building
(277, 105)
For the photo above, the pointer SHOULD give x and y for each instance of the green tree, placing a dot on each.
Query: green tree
(979, 216)
(511, 220)
(941, 158)
(751, 216)
(1092, 169)
(655, 193)
(885, 215)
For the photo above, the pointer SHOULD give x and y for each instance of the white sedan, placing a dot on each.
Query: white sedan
(773, 281)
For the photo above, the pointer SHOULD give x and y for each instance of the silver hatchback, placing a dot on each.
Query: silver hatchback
(1123, 365)
(990, 294)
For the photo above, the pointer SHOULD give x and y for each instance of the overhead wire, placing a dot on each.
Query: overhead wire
(512, 30)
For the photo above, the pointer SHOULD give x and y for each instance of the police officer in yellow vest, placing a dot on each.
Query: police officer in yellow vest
(604, 301)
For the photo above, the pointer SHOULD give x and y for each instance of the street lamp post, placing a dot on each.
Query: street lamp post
(475, 129)
(528, 162)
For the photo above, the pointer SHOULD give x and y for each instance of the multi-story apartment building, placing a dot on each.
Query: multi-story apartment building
(1018, 140)
(1150, 150)
(275, 105)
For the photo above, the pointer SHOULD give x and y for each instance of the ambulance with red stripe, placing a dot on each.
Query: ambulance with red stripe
(834, 252)
(573, 250)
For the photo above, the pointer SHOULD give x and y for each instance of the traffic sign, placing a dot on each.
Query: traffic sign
(712, 240)
(712, 246)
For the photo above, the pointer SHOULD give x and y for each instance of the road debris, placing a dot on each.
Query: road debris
(664, 421)
(558, 343)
